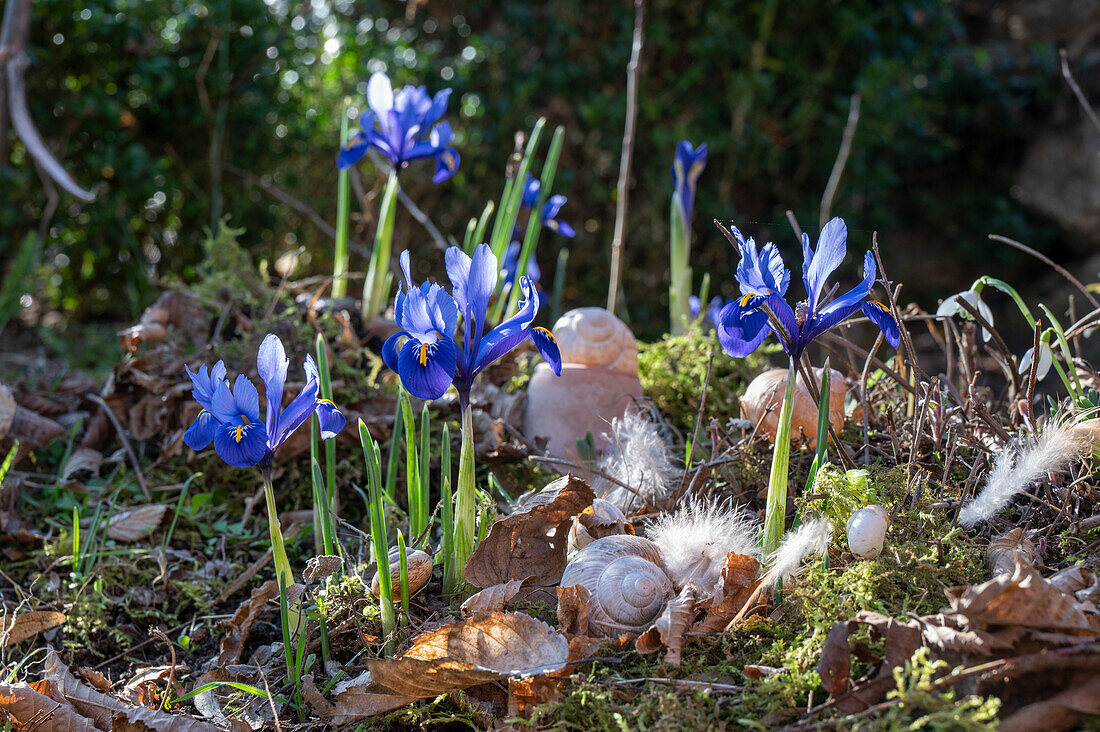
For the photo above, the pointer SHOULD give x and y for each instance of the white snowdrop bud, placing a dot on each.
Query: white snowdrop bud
(867, 531)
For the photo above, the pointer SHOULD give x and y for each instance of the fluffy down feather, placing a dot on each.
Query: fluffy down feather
(640, 458)
(695, 540)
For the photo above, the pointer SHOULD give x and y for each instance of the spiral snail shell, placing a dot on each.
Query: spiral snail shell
(626, 580)
(594, 337)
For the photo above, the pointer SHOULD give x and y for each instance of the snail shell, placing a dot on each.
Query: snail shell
(602, 518)
(594, 337)
(626, 580)
(419, 566)
(867, 531)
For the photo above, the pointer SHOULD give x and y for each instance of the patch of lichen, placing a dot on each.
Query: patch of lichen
(672, 372)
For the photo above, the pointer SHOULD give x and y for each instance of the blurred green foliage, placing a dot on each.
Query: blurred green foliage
(160, 105)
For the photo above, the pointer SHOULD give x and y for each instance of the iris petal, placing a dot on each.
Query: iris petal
(380, 94)
(830, 253)
(741, 333)
(881, 317)
(427, 370)
(547, 346)
(297, 412)
(390, 350)
(201, 431)
(241, 445)
(246, 398)
(272, 365)
(330, 419)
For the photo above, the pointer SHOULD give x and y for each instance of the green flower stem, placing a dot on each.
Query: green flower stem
(374, 289)
(283, 573)
(1007, 289)
(373, 457)
(465, 504)
(776, 510)
(340, 254)
(679, 289)
(447, 510)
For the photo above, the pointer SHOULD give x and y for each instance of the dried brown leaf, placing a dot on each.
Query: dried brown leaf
(83, 463)
(109, 713)
(135, 524)
(493, 599)
(21, 627)
(526, 694)
(31, 709)
(740, 578)
(1061, 711)
(321, 567)
(532, 541)
(943, 633)
(1023, 599)
(1006, 550)
(1080, 581)
(669, 628)
(573, 610)
(486, 648)
(180, 309)
(835, 665)
(239, 626)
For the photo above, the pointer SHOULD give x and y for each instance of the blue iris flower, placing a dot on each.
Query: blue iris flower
(744, 324)
(714, 307)
(404, 126)
(424, 353)
(231, 417)
(687, 166)
(550, 209)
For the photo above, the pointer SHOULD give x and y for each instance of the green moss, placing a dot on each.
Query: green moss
(672, 372)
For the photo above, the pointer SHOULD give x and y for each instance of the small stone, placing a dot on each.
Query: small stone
(763, 401)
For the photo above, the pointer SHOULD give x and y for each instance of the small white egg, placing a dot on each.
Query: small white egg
(867, 531)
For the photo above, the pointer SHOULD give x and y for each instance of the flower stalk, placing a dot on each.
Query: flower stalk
(776, 509)
(465, 503)
(374, 289)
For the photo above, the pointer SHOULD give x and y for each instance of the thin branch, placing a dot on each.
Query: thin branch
(126, 446)
(1089, 112)
(1050, 263)
(841, 160)
(421, 218)
(627, 156)
(283, 197)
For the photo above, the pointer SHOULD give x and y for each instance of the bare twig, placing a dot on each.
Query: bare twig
(283, 197)
(627, 156)
(421, 218)
(1089, 112)
(1050, 263)
(125, 441)
(841, 161)
(14, 62)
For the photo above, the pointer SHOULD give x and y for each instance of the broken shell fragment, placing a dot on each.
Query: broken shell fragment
(867, 531)
(419, 568)
(763, 401)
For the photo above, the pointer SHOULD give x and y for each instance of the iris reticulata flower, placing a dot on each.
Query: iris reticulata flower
(404, 126)
(424, 354)
(687, 166)
(763, 279)
(230, 417)
(550, 209)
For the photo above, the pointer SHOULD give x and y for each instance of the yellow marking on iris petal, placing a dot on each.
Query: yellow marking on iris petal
(240, 433)
(326, 401)
(545, 332)
(245, 419)
(876, 302)
(423, 354)
(746, 298)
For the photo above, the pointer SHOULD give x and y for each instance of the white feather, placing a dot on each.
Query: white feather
(811, 537)
(639, 457)
(1017, 468)
(695, 540)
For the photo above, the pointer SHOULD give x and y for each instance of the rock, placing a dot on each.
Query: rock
(599, 380)
(764, 398)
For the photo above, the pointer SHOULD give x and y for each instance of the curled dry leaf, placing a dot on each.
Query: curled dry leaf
(531, 541)
(1006, 550)
(84, 462)
(180, 309)
(238, 627)
(1081, 581)
(573, 610)
(835, 666)
(322, 566)
(108, 713)
(135, 523)
(486, 648)
(1062, 711)
(668, 630)
(30, 708)
(1024, 599)
(493, 599)
(740, 578)
(25, 625)
(945, 633)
